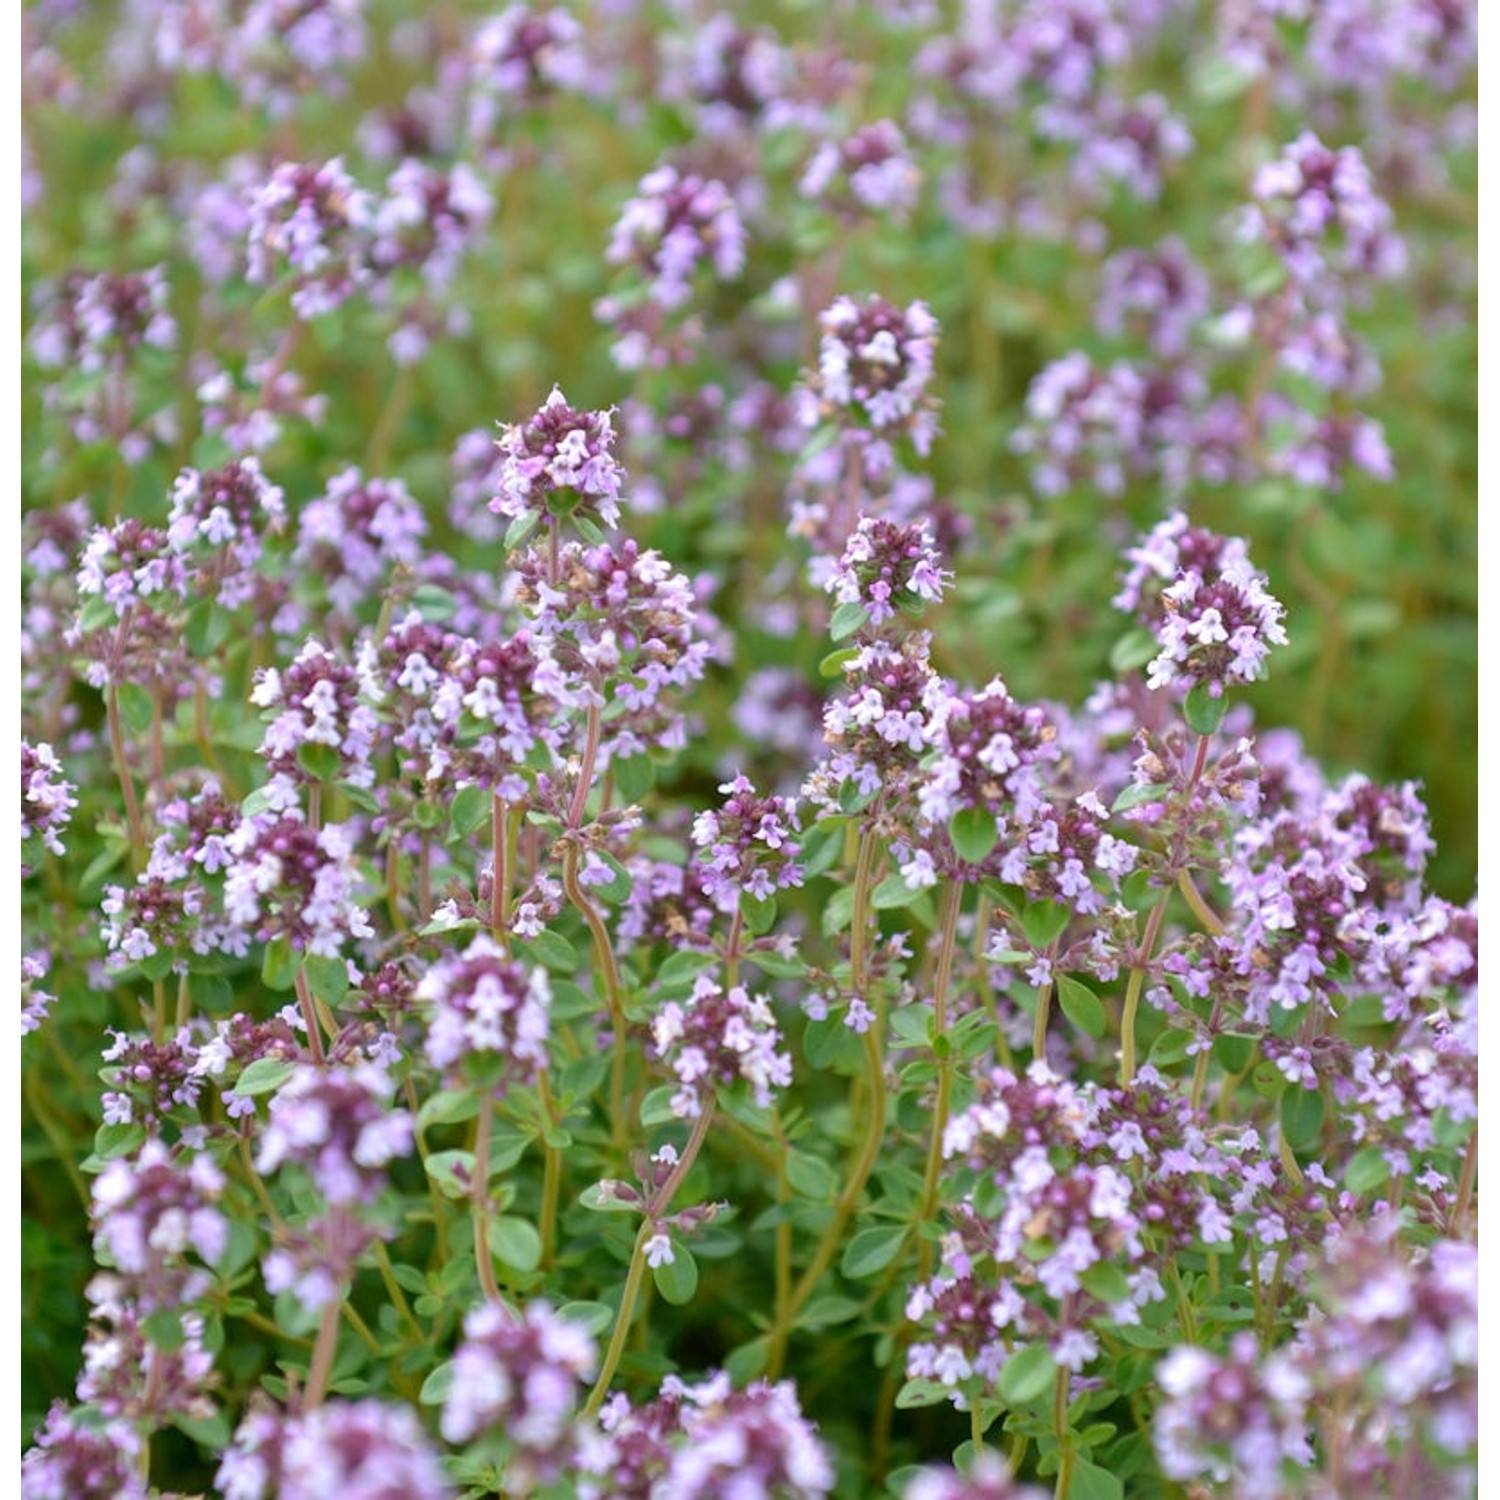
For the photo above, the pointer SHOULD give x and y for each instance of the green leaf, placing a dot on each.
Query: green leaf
(917, 1393)
(811, 1176)
(872, 1250)
(618, 886)
(656, 1107)
(438, 1386)
(635, 775)
(279, 964)
(136, 706)
(321, 762)
(452, 1171)
(164, 1329)
(1027, 1375)
(1302, 1117)
(1204, 712)
(595, 1317)
(554, 951)
(264, 1076)
(745, 1363)
(847, 618)
(1043, 923)
(1232, 1051)
(833, 664)
(327, 978)
(600, 1198)
(471, 809)
(677, 1280)
(1082, 1006)
(206, 628)
(521, 528)
(1132, 651)
(1136, 795)
(450, 1107)
(1367, 1170)
(433, 603)
(1106, 1281)
(1090, 1482)
(825, 1312)
(759, 913)
(683, 967)
(119, 1139)
(893, 893)
(974, 833)
(515, 1242)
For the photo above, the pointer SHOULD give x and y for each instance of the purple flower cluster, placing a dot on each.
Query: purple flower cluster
(221, 518)
(869, 172)
(560, 462)
(292, 880)
(47, 799)
(875, 362)
(1214, 621)
(520, 1377)
(361, 1449)
(353, 535)
(716, 1038)
(149, 1210)
(76, 1456)
(696, 1442)
(487, 1007)
(886, 567)
(676, 224)
(748, 846)
(312, 224)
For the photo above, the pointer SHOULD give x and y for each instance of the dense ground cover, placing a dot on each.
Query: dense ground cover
(747, 753)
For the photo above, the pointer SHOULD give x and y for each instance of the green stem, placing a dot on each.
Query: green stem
(310, 1018)
(551, 1173)
(479, 1202)
(951, 905)
(122, 770)
(608, 971)
(1206, 916)
(869, 1149)
(1465, 1185)
(321, 1366)
(500, 877)
(1133, 991)
(1064, 1435)
(660, 1202)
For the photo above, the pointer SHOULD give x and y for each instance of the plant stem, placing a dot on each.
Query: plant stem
(608, 971)
(310, 1017)
(1466, 1177)
(952, 902)
(1064, 1436)
(869, 1149)
(1133, 991)
(321, 1366)
(479, 1202)
(1207, 918)
(660, 1202)
(500, 875)
(551, 1173)
(122, 770)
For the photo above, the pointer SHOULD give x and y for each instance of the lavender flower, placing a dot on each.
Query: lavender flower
(223, 516)
(715, 1038)
(886, 567)
(675, 225)
(874, 365)
(47, 799)
(78, 1457)
(748, 846)
(365, 1450)
(294, 881)
(1214, 621)
(519, 58)
(354, 534)
(870, 172)
(988, 1478)
(148, 1211)
(338, 1125)
(561, 453)
(521, 1378)
(487, 1007)
(313, 222)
